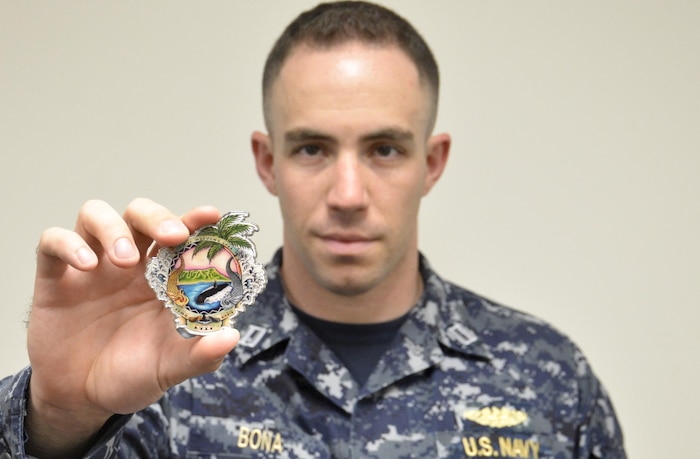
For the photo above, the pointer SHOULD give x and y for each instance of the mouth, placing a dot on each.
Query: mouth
(347, 244)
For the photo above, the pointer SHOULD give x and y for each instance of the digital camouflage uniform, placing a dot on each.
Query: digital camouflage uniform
(464, 378)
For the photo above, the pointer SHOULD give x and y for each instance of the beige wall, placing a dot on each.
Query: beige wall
(572, 190)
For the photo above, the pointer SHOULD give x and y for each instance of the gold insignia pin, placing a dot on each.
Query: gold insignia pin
(496, 417)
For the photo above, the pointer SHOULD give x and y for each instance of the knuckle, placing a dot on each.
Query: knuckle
(48, 235)
(91, 206)
(92, 211)
(139, 202)
(140, 207)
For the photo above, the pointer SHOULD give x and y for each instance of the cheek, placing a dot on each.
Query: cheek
(410, 187)
(400, 202)
(297, 199)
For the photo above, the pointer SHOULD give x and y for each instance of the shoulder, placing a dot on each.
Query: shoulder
(540, 367)
(511, 336)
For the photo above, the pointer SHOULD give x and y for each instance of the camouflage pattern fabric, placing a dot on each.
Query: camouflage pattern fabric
(465, 378)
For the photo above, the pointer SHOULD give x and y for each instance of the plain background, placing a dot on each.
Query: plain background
(572, 189)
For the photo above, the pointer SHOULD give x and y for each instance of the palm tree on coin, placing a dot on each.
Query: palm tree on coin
(231, 232)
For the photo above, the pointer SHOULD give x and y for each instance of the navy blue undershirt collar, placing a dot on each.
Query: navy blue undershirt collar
(358, 346)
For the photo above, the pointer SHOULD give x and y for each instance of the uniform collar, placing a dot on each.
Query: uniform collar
(270, 321)
(440, 319)
(448, 314)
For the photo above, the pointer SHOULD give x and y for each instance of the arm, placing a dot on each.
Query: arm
(99, 341)
(600, 435)
(143, 434)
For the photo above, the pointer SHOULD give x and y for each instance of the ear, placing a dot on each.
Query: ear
(264, 160)
(438, 150)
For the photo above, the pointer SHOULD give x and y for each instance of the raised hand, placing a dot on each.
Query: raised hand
(99, 341)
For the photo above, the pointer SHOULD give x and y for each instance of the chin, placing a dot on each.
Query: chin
(344, 283)
(349, 290)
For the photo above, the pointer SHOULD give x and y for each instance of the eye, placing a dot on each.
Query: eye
(386, 151)
(309, 150)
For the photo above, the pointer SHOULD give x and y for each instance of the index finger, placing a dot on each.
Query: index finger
(152, 222)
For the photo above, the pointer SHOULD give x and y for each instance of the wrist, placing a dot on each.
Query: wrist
(53, 431)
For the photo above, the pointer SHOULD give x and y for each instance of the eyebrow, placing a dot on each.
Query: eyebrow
(303, 135)
(394, 134)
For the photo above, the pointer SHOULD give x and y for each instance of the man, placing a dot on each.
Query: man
(355, 349)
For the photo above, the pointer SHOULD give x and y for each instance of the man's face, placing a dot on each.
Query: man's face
(349, 158)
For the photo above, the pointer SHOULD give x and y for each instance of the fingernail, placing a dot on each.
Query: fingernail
(85, 255)
(171, 227)
(123, 248)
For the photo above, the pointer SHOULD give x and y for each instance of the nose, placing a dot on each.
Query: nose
(348, 189)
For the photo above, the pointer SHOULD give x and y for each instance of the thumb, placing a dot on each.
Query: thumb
(199, 355)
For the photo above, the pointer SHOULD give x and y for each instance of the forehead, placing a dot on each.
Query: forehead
(349, 80)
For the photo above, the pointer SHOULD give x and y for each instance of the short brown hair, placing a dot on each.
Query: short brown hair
(331, 24)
